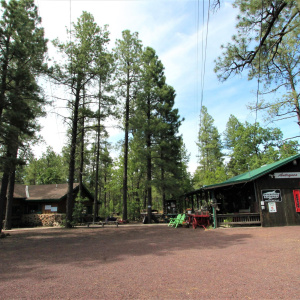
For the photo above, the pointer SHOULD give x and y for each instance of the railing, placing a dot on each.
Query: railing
(238, 219)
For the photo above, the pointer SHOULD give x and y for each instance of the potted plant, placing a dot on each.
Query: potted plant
(188, 210)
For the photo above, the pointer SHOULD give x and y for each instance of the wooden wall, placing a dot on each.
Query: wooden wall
(286, 213)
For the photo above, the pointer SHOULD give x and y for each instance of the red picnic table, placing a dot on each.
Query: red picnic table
(198, 220)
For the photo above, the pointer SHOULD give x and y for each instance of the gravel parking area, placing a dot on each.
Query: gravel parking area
(150, 262)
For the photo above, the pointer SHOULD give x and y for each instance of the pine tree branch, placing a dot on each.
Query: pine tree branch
(291, 138)
(252, 54)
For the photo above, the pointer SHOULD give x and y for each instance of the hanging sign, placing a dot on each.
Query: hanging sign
(297, 200)
(272, 207)
(287, 175)
(271, 195)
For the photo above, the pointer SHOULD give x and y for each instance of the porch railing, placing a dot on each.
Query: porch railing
(238, 219)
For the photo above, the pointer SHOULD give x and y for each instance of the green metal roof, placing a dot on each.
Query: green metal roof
(254, 174)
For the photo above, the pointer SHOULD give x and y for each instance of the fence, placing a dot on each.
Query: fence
(238, 219)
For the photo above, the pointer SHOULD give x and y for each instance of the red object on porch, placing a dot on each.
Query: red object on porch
(198, 220)
(297, 199)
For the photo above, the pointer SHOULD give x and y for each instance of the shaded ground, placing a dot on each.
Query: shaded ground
(151, 262)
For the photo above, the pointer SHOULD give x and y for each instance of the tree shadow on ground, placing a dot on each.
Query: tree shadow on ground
(25, 250)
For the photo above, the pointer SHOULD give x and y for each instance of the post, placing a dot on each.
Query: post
(214, 205)
(215, 217)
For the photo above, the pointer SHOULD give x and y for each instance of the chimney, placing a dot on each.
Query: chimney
(27, 192)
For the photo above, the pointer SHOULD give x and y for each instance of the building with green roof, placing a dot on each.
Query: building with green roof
(267, 196)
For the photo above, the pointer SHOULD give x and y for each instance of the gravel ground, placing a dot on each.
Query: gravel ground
(151, 262)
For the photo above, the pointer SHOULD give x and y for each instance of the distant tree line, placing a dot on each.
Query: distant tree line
(240, 148)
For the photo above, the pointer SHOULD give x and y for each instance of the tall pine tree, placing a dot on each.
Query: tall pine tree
(127, 52)
(81, 68)
(210, 169)
(22, 55)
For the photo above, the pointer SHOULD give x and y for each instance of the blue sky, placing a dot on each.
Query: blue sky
(170, 27)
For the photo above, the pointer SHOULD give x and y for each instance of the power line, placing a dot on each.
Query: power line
(205, 51)
(197, 54)
(259, 69)
(204, 43)
(203, 57)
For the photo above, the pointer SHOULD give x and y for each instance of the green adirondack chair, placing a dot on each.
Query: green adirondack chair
(173, 220)
(179, 221)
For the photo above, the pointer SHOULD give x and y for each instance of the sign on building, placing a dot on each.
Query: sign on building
(287, 175)
(272, 207)
(271, 195)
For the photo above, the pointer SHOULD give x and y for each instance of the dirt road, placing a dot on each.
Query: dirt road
(151, 262)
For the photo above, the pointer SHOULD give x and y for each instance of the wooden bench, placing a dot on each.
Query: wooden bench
(102, 223)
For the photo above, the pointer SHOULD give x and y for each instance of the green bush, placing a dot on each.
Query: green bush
(228, 220)
(79, 211)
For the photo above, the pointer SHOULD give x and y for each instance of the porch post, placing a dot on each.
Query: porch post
(214, 208)
(258, 203)
(193, 210)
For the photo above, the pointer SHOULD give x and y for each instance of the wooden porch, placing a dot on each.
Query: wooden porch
(238, 219)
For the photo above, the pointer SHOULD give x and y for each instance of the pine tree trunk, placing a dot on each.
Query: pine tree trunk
(9, 166)
(149, 189)
(70, 196)
(3, 192)
(4, 78)
(95, 215)
(125, 187)
(145, 200)
(149, 164)
(163, 186)
(81, 163)
(82, 150)
(105, 192)
(13, 152)
(9, 203)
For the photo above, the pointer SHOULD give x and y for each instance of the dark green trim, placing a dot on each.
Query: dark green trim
(254, 174)
(248, 176)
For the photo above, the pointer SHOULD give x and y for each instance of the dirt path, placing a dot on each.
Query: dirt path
(151, 262)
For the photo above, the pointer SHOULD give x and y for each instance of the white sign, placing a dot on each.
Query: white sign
(54, 209)
(272, 207)
(47, 207)
(271, 195)
(287, 175)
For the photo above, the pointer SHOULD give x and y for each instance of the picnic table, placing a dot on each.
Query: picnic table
(102, 223)
(198, 220)
(155, 216)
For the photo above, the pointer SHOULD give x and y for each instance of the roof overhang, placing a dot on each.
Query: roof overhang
(248, 176)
